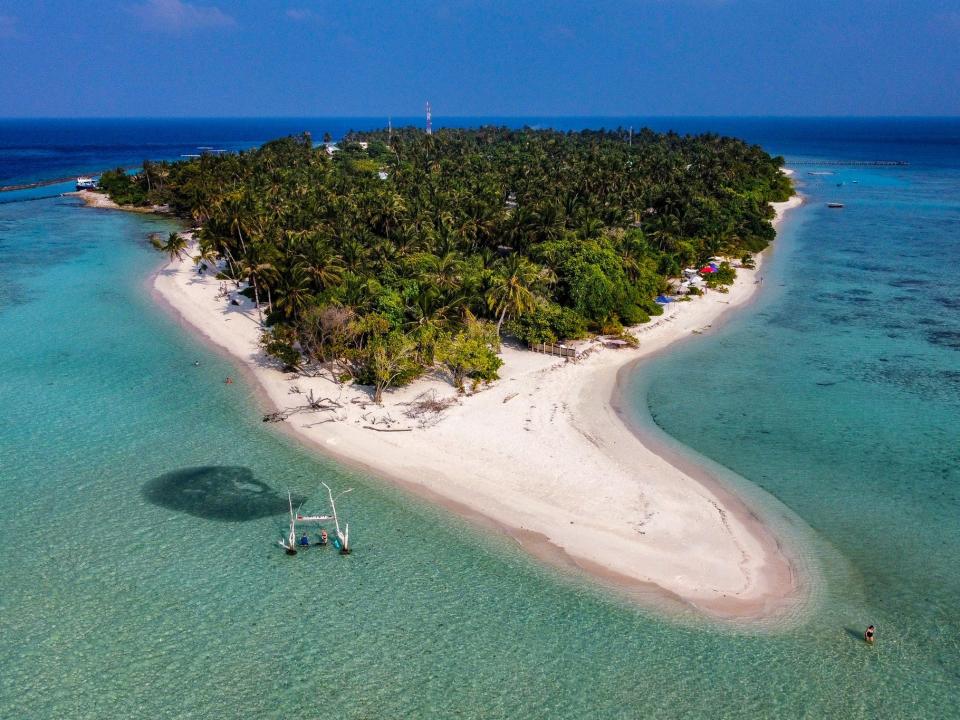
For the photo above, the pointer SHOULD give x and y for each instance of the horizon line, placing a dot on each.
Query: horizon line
(475, 117)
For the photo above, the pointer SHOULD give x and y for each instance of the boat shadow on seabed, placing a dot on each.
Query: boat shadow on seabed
(228, 493)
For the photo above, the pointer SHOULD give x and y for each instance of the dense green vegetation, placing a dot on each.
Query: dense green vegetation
(411, 251)
(123, 188)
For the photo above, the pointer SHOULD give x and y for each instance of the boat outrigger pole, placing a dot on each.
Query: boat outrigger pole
(342, 536)
(291, 545)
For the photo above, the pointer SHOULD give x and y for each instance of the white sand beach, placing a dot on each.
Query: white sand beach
(95, 199)
(102, 201)
(541, 454)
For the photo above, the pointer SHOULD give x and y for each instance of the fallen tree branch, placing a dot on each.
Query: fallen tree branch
(426, 403)
(313, 405)
(321, 422)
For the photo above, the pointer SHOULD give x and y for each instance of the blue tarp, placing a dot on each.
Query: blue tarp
(663, 299)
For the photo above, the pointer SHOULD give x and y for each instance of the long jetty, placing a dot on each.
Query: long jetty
(38, 183)
(52, 181)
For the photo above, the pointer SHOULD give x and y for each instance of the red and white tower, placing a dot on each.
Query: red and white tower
(429, 120)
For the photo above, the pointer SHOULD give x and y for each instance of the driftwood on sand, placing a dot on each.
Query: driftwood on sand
(314, 404)
(427, 403)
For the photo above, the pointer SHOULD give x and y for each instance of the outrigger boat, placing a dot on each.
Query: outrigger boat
(342, 539)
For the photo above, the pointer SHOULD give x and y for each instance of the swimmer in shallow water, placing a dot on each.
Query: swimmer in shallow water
(868, 634)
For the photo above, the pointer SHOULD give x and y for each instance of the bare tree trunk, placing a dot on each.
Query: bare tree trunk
(233, 266)
(243, 245)
(503, 314)
(256, 297)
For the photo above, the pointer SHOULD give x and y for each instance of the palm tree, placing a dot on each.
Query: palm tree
(443, 272)
(175, 245)
(253, 271)
(294, 292)
(512, 292)
(206, 252)
(430, 317)
(324, 265)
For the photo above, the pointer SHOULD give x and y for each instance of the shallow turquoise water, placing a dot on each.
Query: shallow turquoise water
(125, 593)
(839, 393)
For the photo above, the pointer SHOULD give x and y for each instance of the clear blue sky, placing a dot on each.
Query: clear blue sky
(475, 57)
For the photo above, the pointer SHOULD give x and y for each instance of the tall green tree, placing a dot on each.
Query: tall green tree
(175, 246)
(513, 288)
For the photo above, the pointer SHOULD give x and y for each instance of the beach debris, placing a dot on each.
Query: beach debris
(510, 397)
(323, 422)
(427, 408)
(314, 404)
(428, 402)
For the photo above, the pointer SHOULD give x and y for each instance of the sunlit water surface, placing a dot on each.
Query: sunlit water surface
(141, 497)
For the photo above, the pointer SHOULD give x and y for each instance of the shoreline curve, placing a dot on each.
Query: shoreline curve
(543, 455)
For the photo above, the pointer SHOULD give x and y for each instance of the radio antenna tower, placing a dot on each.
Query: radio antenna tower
(429, 120)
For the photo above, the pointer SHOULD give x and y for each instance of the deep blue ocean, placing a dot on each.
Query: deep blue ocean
(140, 495)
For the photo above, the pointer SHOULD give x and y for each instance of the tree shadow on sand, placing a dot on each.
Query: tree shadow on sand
(228, 493)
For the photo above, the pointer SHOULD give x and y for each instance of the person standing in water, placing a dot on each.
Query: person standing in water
(868, 634)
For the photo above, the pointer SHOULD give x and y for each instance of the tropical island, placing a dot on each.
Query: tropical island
(396, 252)
(375, 288)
